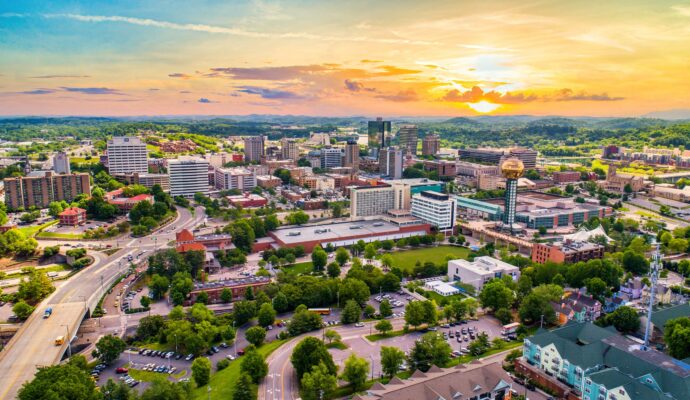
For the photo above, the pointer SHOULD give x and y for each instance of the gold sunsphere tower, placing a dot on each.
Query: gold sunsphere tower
(511, 169)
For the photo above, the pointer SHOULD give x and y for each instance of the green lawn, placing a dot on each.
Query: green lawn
(407, 259)
(380, 336)
(57, 235)
(146, 376)
(223, 383)
(52, 268)
(300, 268)
(32, 230)
(444, 300)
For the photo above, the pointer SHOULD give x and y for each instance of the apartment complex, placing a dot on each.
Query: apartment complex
(480, 271)
(351, 159)
(235, 178)
(188, 176)
(391, 162)
(254, 148)
(566, 252)
(61, 163)
(367, 201)
(127, 155)
(431, 145)
(147, 180)
(407, 137)
(289, 149)
(495, 156)
(40, 188)
(437, 209)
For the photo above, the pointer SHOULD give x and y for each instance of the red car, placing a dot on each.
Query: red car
(240, 352)
(121, 370)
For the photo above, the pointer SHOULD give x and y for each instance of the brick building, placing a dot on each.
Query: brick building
(40, 188)
(566, 252)
(72, 216)
(238, 287)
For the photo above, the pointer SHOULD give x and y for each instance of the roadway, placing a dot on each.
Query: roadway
(34, 346)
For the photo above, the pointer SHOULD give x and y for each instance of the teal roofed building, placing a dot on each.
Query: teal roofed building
(600, 364)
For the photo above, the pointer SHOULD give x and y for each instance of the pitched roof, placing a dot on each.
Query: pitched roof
(185, 247)
(184, 236)
(661, 316)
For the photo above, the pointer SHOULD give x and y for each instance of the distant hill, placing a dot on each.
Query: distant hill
(679, 113)
(461, 121)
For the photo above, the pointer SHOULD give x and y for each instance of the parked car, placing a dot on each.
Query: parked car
(121, 370)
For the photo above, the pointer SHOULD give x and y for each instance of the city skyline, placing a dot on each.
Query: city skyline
(312, 58)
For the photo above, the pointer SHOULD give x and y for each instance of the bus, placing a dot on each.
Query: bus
(510, 328)
(321, 311)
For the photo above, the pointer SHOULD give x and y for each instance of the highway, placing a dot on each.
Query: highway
(34, 346)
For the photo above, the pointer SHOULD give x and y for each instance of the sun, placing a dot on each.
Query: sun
(483, 106)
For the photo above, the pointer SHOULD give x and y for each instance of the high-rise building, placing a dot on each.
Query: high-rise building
(431, 144)
(511, 169)
(496, 156)
(61, 163)
(253, 148)
(379, 132)
(289, 149)
(351, 154)
(331, 158)
(147, 180)
(127, 155)
(235, 178)
(367, 201)
(407, 136)
(188, 176)
(438, 209)
(391, 162)
(40, 188)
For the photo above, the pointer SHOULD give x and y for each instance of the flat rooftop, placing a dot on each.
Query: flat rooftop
(330, 232)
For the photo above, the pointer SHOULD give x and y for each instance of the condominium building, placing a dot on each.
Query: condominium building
(127, 155)
(367, 201)
(147, 180)
(253, 148)
(188, 176)
(289, 149)
(235, 178)
(407, 136)
(61, 163)
(351, 154)
(566, 252)
(391, 162)
(40, 188)
(331, 158)
(431, 144)
(379, 133)
(437, 209)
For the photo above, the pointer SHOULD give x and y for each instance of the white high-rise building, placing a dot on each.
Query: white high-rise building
(391, 162)
(437, 209)
(331, 158)
(367, 201)
(188, 176)
(61, 163)
(127, 155)
(235, 178)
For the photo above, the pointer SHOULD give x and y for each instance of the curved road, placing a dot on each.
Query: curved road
(33, 345)
(281, 381)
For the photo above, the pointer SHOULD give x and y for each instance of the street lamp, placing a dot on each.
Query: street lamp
(69, 341)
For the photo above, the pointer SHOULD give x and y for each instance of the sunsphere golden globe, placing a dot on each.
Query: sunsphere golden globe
(512, 168)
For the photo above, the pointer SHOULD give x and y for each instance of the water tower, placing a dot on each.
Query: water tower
(511, 169)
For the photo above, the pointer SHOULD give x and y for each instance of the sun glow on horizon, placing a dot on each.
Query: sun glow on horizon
(483, 106)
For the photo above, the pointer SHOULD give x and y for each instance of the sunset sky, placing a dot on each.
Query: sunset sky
(450, 58)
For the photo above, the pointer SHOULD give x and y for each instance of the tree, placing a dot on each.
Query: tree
(145, 301)
(430, 350)
(60, 382)
(415, 314)
(201, 371)
(480, 345)
(392, 359)
(254, 364)
(243, 388)
(625, 319)
(109, 348)
(495, 295)
(318, 384)
(342, 255)
(504, 315)
(677, 337)
(297, 218)
(356, 371)
(37, 287)
(280, 302)
(158, 286)
(384, 326)
(266, 315)
(150, 327)
(332, 336)
(369, 310)
(635, 263)
(351, 313)
(311, 352)
(390, 282)
(56, 207)
(201, 298)
(333, 269)
(249, 294)
(226, 295)
(533, 307)
(596, 288)
(354, 289)
(387, 260)
(255, 335)
(385, 308)
(242, 235)
(163, 389)
(22, 310)
(319, 258)
(304, 321)
(243, 311)
(117, 391)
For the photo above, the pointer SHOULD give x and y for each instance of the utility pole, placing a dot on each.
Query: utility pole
(654, 272)
(541, 322)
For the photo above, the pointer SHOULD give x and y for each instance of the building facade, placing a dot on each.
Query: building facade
(254, 148)
(494, 156)
(40, 188)
(431, 145)
(351, 159)
(391, 162)
(147, 180)
(566, 252)
(72, 216)
(331, 158)
(61, 163)
(408, 137)
(437, 209)
(235, 178)
(188, 176)
(480, 271)
(367, 201)
(289, 149)
(127, 155)
(379, 132)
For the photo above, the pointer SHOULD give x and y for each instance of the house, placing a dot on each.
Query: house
(187, 241)
(124, 204)
(563, 312)
(614, 302)
(633, 288)
(662, 294)
(72, 216)
(575, 306)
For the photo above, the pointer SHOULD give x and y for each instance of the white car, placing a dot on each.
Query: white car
(359, 324)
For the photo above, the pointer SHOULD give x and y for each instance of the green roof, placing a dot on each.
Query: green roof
(661, 316)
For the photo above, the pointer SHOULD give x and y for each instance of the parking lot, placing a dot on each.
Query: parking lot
(397, 300)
